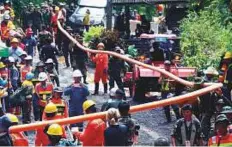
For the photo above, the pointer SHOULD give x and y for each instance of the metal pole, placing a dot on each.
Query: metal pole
(109, 15)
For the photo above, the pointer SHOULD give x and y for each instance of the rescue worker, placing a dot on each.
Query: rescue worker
(26, 68)
(40, 67)
(6, 26)
(50, 113)
(15, 51)
(30, 42)
(78, 93)
(13, 139)
(43, 36)
(93, 135)
(9, 10)
(227, 110)
(79, 59)
(115, 134)
(53, 74)
(49, 51)
(101, 61)
(86, 20)
(125, 119)
(167, 86)
(62, 106)
(65, 48)
(43, 91)
(27, 105)
(210, 74)
(3, 93)
(116, 97)
(116, 68)
(54, 19)
(14, 73)
(37, 20)
(54, 133)
(223, 137)
(187, 129)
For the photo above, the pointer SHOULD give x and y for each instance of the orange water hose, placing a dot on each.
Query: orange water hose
(142, 107)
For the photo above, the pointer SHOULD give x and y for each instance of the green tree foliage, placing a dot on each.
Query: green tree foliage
(205, 35)
(94, 32)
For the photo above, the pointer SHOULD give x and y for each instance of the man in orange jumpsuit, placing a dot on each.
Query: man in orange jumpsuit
(101, 61)
(43, 92)
(93, 134)
(26, 68)
(50, 113)
(62, 107)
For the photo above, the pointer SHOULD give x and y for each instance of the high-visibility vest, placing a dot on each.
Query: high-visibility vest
(61, 108)
(19, 139)
(225, 141)
(44, 93)
(23, 72)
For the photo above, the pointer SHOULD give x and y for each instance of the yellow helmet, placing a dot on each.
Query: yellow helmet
(228, 55)
(2, 65)
(50, 108)
(12, 118)
(55, 129)
(87, 104)
(57, 8)
(14, 40)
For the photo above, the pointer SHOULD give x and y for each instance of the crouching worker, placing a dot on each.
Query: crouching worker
(55, 133)
(13, 139)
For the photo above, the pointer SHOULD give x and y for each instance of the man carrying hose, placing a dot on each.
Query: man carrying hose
(166, 89)
(101, 61)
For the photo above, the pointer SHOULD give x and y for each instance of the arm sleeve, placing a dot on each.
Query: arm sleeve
(67, 91)
(88, 135)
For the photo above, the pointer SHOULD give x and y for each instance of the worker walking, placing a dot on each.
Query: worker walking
(93, 135)
(78, 93)
(101, 61)
(187, 129)
(52, 72)
(14, 73)
(26, 68)
(62, 107)
(43, 91)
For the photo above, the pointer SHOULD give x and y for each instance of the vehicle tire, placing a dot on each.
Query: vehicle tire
(139, 91)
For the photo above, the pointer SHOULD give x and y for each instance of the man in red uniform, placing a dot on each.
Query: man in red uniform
(93, 134)
(101, 61)
(62, 107)
(50, 113)
(43, 91)
(26, 68)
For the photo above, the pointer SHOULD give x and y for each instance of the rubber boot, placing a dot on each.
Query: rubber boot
(105, 88)
(167, 113)
(96, 89)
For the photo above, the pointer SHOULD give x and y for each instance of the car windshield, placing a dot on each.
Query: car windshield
(93, 3)
(93, 11)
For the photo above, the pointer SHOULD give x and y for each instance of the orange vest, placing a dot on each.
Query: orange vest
(61, 106)
(19, 139)
(23, 72)
(4, 73)
(225, 141)
(44, 93)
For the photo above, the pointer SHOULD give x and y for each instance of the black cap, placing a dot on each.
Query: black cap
(40, 64)
(222, 119)
(58, 90)
(187, 107)
(120, 93)
(124, 106)
(162, 141)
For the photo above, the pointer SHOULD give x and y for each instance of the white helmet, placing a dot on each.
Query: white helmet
(77, 73)
(113, 92)
(6, 16)
(43, 77)
(28, 57)
(2, 8)
(49, 61)
(11, 59)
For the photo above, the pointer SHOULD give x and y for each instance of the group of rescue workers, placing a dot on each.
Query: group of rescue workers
(27, 89)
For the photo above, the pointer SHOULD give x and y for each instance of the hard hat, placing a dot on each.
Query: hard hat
(57, 8)
(187, 107)
(50, 108)
(55, 129)
(222, 119)
(58, 90)
(23, 53)
(113, 92)
(40, 64)
(11, 59)
(228, 55)
(28, 57)
(167, 62)
(77, 73)
(6, 16)
(162, 141)
(120, 93)
(14, 40)
(29, 76)
(49, 61)
(1, 8)
(2, 65)
(87, 104)
(100, 45)
(220, 101)
(211, 71)
(226, 109)
(12, 118)
(42, 76)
